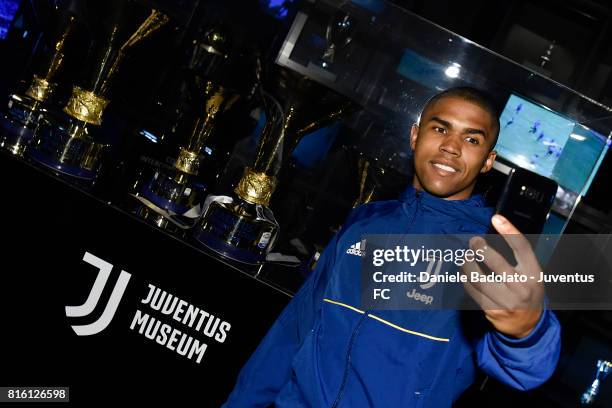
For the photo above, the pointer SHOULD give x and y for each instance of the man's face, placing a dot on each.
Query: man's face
(451, 147)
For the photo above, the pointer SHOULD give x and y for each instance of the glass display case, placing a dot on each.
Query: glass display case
(387, 62)
(391, 61)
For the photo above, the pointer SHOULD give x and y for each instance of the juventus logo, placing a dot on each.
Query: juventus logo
(104, 271)
(432, 262)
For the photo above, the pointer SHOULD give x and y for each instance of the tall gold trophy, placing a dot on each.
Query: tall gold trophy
(66, 144)
(170, 198)
(171, 194)
(241, 226)
(20, 120)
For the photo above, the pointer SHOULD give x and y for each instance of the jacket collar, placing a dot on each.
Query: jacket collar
(411, 193)
(473, 208)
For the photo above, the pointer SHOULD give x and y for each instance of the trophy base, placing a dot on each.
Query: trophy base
(241, 255)
(61, 168)
(18, 123)
(56, 148)
(239, 231)
(15, 139)
(153, 217)
(164, 191)
(166, 197)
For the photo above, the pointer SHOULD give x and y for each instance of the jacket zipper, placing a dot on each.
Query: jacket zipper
(348, 360)
(356, 329)
(418, 194)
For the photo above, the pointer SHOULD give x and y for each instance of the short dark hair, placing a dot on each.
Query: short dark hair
(473, 95)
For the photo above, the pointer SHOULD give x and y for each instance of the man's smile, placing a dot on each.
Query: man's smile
(444, 169)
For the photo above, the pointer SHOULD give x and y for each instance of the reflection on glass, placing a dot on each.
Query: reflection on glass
(338, 36)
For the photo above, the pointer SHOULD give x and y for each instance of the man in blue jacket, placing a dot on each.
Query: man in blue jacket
(324, 351)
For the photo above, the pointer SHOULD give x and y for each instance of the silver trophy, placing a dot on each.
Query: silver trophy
(603, 369)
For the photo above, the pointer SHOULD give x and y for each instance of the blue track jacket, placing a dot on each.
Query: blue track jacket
(323, 351)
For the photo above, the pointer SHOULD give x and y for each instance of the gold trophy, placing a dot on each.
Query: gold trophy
(20, 121)
(66, 145)
(241, 226)
(170, 198)
(172, 193)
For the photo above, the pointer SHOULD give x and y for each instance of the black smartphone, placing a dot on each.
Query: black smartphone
(526, 200)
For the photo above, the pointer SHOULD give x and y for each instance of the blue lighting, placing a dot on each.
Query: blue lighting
(8, 8)
(277, 8)
(314, 146)
(375, 6)
(149, 135)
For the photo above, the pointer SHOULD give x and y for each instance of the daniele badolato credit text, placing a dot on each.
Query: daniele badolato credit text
(459, 258)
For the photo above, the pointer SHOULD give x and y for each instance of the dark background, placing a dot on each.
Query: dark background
(57, 223)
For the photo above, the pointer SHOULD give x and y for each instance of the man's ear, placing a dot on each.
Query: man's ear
(414, 133)
(488, 164)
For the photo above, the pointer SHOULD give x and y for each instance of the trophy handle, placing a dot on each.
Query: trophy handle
(58, 55)
(154, 22)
